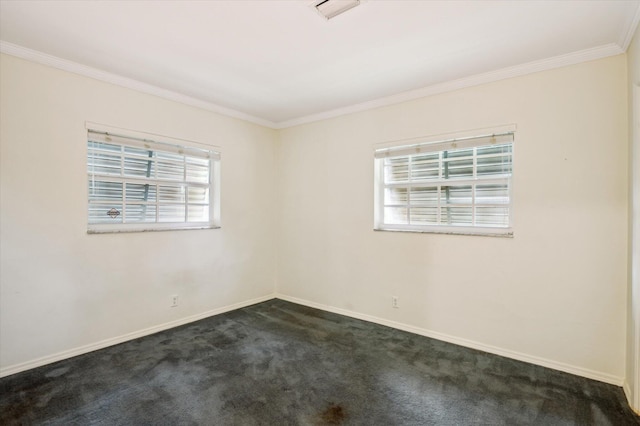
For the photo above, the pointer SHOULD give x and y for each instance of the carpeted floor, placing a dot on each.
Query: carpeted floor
(278, 363)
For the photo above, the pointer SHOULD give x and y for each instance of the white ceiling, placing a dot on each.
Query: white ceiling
(279, 63)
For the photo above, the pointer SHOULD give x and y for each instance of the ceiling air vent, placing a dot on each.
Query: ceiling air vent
(332, 8)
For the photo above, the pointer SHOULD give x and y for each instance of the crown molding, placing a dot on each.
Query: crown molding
(475, 80)
(86, 71)
(627, 36)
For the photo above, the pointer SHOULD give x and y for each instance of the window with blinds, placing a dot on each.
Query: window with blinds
(454, 186)
(139, 185)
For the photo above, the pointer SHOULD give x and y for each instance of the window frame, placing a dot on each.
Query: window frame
(161, 146)
(437, 145)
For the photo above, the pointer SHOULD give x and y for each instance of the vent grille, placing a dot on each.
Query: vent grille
(332, 8)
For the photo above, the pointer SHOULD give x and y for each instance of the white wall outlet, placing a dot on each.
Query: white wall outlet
(174, 300)
(394, 302)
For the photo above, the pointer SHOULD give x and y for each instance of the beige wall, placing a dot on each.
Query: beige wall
(632, 385)
(63, 289)
(555, 294)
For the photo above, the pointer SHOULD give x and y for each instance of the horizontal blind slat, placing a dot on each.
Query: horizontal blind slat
(151, 145)
(424, 148)
(148, 183)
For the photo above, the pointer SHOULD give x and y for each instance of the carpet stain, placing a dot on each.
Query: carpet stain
(58, 372)
(277, 363)
(334, 415)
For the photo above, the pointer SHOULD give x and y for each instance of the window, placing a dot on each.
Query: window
(460, 186)
(138, 184)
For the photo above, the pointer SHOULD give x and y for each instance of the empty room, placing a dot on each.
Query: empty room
(297, 212)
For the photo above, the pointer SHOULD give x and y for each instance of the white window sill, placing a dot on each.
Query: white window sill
(122, 229)
(477, 232)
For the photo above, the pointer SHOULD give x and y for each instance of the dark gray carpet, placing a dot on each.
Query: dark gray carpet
(277, 363)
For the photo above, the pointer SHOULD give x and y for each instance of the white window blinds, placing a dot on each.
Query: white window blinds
(139, 184)
(455, 186)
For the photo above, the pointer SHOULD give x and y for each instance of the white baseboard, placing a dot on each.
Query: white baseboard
(627, 391)
(579, 371)
(555, 365)
(17, 368)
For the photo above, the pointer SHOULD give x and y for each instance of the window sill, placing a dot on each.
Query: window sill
(500, 233)
(123, 230)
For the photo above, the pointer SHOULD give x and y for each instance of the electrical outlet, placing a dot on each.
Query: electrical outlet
(174, 300)
(394, 302)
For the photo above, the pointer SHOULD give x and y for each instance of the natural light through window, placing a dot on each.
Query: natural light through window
(453, 186)
(140, 184)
